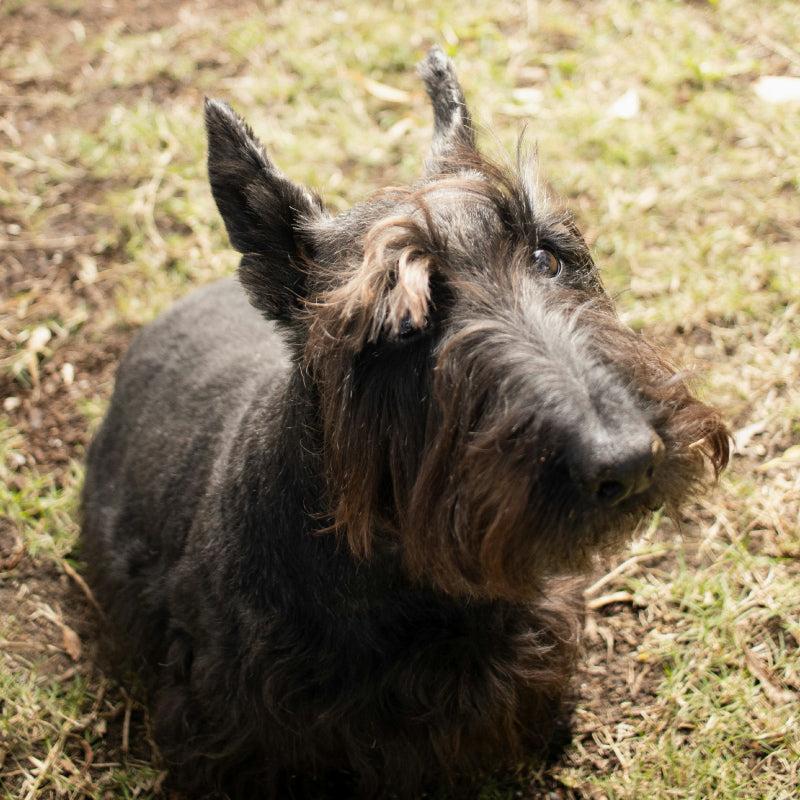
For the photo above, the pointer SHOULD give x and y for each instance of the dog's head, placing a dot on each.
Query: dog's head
(481, 405)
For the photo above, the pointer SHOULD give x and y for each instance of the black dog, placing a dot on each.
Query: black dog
(344, 538)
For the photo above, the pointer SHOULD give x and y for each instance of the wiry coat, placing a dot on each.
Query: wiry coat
(341, 538)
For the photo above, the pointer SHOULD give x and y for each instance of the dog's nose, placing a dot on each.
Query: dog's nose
(613, 468)
(629, 471)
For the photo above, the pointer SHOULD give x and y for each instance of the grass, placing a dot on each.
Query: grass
(691, 680)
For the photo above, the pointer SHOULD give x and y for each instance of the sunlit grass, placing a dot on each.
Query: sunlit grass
(690, 204)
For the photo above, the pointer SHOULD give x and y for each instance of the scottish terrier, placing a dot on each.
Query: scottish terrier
(339, 510)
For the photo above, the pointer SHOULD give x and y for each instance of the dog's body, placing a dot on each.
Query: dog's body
(343, 539)
(268, 639)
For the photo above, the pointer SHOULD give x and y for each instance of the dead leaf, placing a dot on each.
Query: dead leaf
(14, 556)
(627, 106)
(608, 599)
(389, 94)
(775, 694)
(72, 642)
(742, 437)
(778, 89)
(788, 458)
(39, 337)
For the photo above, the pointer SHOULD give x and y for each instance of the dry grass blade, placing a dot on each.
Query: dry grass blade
(14, 556)
(126, 726)
(82, 585)
(45, 243)
(9, 645)
(609, 599)
(625, 568)
(47, 765)
(769, 685)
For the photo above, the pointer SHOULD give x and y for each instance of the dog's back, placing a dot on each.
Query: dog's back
(180, 393)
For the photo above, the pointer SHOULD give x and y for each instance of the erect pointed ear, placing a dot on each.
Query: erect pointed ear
(265, 214)
(452, 124)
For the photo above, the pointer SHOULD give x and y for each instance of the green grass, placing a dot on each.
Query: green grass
(690, 206)
(40, 509)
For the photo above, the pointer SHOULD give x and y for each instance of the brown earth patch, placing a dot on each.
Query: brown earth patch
(12, 548)
(49, 416)
(54, 635)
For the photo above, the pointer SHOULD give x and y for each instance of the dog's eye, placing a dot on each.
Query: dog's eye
(408, 330)
(547, 263)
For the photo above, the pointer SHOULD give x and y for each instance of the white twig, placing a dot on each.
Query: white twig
(619, 569)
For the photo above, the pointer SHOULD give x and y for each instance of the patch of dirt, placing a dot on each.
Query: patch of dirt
(66, 32)
(56, 628)
(615, 687)
(55, 428)
(49, 23)
(58, 281)
(12, 547)
(58, 273)
(32, 587)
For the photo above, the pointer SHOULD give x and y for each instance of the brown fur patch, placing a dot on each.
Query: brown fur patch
(390, 283)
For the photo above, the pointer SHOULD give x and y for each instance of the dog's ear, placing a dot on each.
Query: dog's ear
(452, 123)
(266, 215)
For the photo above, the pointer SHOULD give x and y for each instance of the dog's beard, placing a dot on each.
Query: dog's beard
(493, 509)
(471, 485)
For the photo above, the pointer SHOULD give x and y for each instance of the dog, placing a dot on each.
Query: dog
(339, 511)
